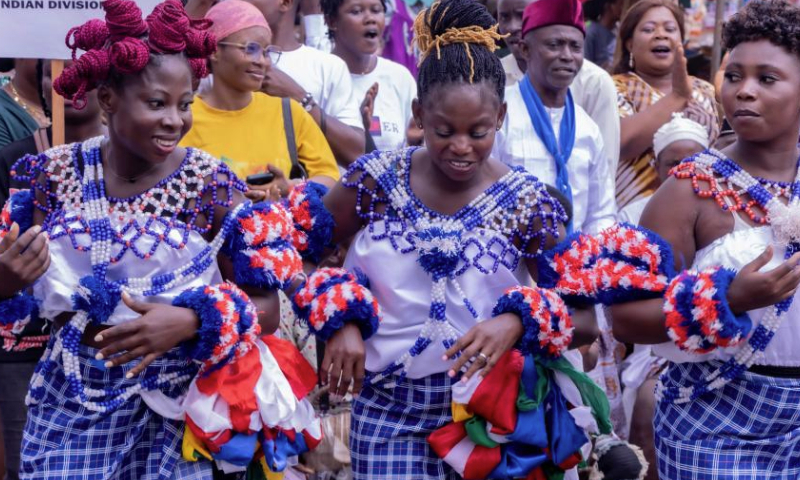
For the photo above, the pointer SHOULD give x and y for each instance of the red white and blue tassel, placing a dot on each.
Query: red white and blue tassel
(620, 264)
(313, 223)
(261, 247)
(332, 297)
(546, 321)
(699, 319)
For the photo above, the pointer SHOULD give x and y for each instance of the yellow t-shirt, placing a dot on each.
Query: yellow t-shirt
(250, 138)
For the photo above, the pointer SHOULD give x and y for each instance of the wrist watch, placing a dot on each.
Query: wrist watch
(308, 102)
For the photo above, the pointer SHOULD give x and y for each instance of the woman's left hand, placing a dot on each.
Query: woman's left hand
(159, 329)
(484, 344)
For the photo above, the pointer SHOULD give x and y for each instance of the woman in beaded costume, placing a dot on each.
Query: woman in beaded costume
(441, 232)
(729, 401)
(120, 250)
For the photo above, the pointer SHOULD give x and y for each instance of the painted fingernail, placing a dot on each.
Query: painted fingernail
(129, 375)
(109, 364)
(98, 338)
(99, 356)
(444, 357)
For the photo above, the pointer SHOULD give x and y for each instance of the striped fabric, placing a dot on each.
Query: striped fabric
(636, 178)
(748, 430)
(390, 424)
(63, 440)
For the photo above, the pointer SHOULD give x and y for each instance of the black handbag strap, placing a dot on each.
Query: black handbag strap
(288, 126)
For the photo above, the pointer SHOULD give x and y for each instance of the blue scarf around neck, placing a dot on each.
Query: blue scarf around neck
(560, 148)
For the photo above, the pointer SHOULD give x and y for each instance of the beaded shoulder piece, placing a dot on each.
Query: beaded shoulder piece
(514, 212)
(162, 216)
(713, 175)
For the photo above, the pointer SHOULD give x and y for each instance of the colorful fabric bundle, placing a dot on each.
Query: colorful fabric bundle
(622, 263)
(699, 319)
(313, 223)
(528, 418)
(243, 406)
(17, 312)
(547, 323)
(261, 248)
(332, 297)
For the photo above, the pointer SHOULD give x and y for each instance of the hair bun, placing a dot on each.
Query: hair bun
(124, 19)
(90, 35)
(82, 76)
(455, 22)
(169, 25)
(129, 55)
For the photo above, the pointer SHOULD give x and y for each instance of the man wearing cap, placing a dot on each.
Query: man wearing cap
(545, 131)
(593, 88)
(556, 140)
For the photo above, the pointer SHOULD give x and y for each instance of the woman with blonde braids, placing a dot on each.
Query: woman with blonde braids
(458, 229)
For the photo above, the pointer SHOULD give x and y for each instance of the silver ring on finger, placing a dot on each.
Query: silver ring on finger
(483, 357)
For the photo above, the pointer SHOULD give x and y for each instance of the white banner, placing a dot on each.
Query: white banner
(38, 28)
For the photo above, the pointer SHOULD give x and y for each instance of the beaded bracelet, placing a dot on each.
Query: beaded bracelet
(620, 264)
(18, 311)
(261, 247)
(313, 223)
(546, 321)
(698, 316)
(228, 324)
(18, 209)
(332, 297)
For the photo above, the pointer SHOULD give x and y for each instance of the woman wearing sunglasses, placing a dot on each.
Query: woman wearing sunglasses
(247, 128)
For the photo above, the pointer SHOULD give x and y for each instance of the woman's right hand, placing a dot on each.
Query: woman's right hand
(23, 259)
(751, 289)
(344, 361)
(681, 82)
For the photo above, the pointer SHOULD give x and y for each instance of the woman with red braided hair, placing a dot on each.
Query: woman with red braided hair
(118, 243)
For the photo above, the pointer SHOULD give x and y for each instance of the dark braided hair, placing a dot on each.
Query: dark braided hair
(330, 8)
(456, 39)
(773, 20)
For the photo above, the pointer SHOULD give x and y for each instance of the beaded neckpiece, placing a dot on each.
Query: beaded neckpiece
(163, 215)
(169, 197)
(714, 168)
(507, 211)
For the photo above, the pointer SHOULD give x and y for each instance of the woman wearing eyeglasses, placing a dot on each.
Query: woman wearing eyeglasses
(246, 128)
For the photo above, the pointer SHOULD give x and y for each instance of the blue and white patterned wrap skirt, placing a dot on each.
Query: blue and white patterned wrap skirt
(63, 440)
(748, 430)
(390, 425)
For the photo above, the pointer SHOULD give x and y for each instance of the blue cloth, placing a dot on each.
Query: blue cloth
(63, 440)
(748, 430)
(390, 425)
(560, 148)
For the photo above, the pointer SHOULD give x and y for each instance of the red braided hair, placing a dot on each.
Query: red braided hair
(124, 42)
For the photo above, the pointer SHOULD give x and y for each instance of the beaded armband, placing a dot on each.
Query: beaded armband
(546, 321)
(313, 223)
(620, 264)
(18, 209)
(228, 324)
(699, 319)
(332, 297)
(261, 247)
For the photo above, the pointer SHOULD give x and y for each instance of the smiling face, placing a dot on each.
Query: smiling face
(509, 19)
(459, 122)
(359, 25)
(654, 40)
(554, 55)
(233, 66)
(150, 112)
(760, 92)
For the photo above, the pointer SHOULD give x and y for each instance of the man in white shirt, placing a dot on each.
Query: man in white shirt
(552, 34)
(593, 88)
(319, 81)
